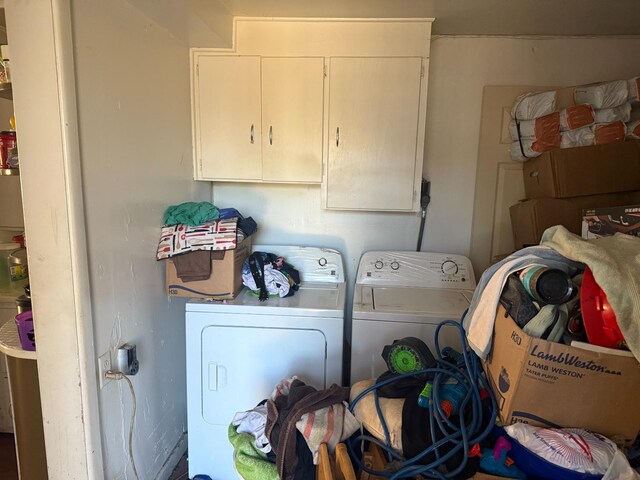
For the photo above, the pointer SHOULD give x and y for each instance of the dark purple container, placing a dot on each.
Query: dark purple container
(24, 322)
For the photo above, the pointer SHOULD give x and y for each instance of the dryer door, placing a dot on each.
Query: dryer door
(242, 365)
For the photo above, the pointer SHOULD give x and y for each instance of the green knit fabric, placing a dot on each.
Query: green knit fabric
(191, 213)
(251, 463)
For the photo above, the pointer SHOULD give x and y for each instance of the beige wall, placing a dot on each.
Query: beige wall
(135, 137)
(460, 68)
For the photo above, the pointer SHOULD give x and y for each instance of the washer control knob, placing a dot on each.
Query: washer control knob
(449, 267)
(379, 265)
(394, 265)
(322, 262)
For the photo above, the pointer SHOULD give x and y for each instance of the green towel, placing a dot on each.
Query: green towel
(615, 263)
(251, 463)
(191, 213)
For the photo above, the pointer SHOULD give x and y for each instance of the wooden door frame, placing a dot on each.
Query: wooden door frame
(40, 35)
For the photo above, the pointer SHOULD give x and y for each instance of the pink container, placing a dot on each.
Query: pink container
(24, 322)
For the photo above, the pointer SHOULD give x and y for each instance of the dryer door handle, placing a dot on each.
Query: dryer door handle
(217, 376)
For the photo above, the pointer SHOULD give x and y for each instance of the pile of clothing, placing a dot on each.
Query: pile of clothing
(196, 233)
(266, 275)
(602, 114)
(280, 438)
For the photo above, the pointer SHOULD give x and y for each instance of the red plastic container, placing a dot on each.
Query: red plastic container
(597, 315)
(7, 142)
(24, 322)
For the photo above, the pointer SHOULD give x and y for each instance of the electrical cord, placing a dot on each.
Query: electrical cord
(474, 425)
(121, 376)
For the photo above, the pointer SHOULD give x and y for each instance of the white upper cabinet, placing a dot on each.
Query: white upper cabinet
(373, 158)
(336, 102)
(228, 118)
(259, 119)
(292, 105)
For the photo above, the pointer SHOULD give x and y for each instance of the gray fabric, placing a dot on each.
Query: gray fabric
(615, 263)
(539, 324)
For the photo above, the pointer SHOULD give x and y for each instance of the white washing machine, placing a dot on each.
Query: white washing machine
(405, 294)
(238, 350)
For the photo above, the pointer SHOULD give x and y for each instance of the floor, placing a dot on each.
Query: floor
(8, 463)
(181, 470)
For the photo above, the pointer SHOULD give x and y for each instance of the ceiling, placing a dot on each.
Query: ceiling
(465, 17)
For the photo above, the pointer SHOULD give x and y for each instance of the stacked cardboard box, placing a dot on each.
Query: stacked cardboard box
(560, 184)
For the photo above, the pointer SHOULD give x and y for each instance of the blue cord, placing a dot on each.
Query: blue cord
(457, 438)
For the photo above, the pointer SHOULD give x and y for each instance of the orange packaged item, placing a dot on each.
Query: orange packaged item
(577, 116)
(634, 90)
(609, 132)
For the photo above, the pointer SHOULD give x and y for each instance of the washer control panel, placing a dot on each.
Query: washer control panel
(416, 269)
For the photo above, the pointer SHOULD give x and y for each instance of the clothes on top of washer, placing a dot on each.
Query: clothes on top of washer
(191, 213)
(216, 235)
(269, 274)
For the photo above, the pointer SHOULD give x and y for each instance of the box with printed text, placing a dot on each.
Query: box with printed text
(555, 385)
(603, 222)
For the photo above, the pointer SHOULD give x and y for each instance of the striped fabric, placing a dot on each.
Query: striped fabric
(330, 425)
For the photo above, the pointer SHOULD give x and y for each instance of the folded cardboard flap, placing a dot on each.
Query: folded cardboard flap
(554, 385)
(592, 170)
(225, 281)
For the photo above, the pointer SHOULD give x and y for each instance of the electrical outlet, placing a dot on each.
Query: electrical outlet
(104, 365)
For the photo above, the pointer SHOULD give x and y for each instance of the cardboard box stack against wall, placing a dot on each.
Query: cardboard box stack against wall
(562, 178)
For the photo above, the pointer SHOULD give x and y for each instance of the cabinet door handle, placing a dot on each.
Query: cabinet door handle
(337, 136)
(270, 134)
(251, 134)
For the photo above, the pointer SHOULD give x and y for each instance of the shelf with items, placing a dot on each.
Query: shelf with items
(6, 91)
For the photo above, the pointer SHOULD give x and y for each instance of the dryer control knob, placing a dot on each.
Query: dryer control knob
(322, 262)
(379, 265)
(394, 265)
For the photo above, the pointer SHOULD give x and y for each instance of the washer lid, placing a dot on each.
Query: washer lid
(432, 302)
(312, 300)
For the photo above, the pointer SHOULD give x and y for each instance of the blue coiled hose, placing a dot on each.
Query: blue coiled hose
(467, 373)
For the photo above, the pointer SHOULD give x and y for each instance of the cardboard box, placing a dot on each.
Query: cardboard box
(573, 172)
(604, 222)
(551, 384)
(530, 218)
(225, 281)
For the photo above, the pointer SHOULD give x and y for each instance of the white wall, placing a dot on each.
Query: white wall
(134, 116)
(459, 69)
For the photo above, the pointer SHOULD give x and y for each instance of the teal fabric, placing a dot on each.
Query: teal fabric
(191, 213)
(250, 462)
(615, 263)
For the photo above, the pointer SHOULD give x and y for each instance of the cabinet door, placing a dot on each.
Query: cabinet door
(227, 102)
(292, 106)
(374, 105)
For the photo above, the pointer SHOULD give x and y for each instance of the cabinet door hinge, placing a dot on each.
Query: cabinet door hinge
(421, 71)
(324, 70)
(197, 69)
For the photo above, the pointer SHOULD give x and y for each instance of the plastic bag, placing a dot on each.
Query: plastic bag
(633, 130)
(634, 89)
(620, 469)
(541, 127)
(614, 114)
(572, 448)
(581, 137)
(533, 105)
(603, 95)
(529, 148)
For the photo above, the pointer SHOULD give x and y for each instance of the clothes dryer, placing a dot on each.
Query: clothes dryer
(238, 350)
(405, 294)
